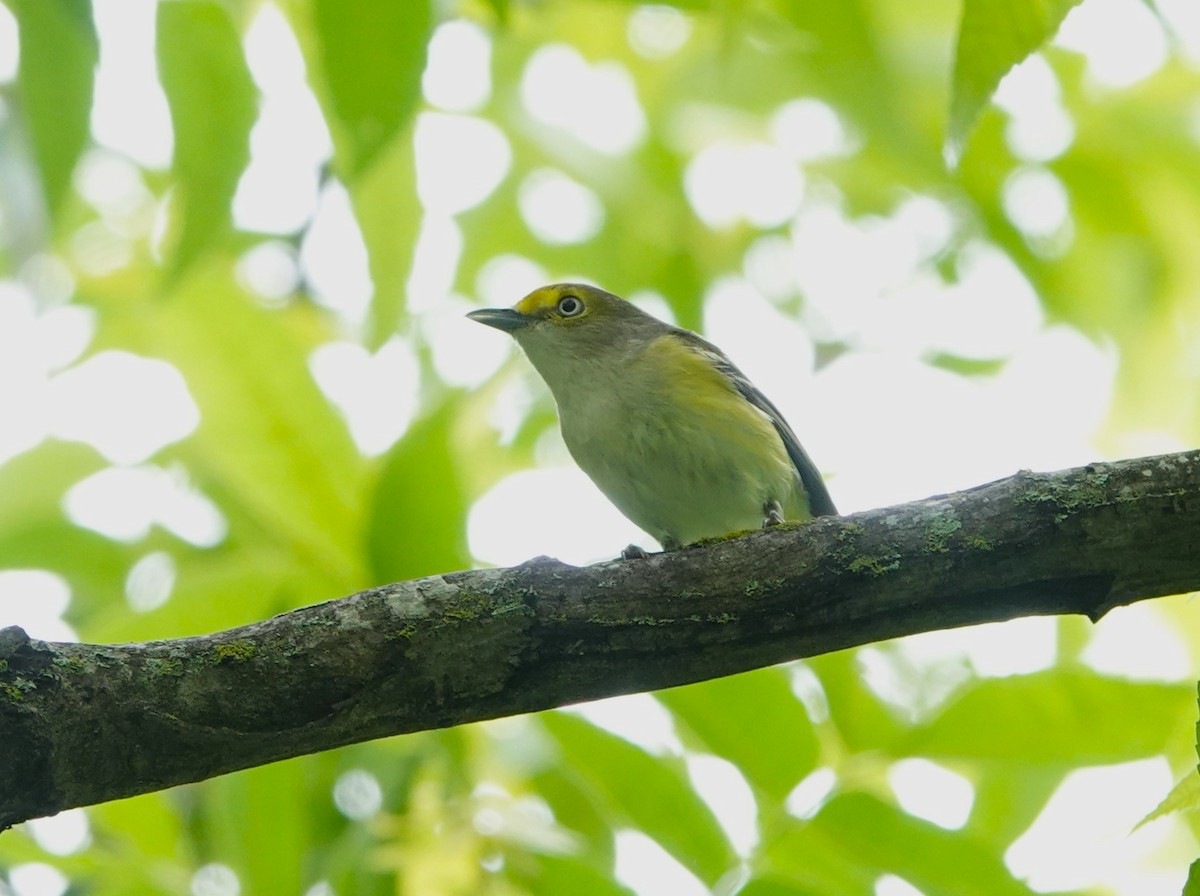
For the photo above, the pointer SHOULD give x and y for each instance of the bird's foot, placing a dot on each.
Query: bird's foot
(634, 552)
(774, 514)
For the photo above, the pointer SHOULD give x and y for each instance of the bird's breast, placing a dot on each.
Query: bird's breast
(685, 469)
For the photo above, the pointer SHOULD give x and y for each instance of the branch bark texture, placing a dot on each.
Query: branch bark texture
(84, 723)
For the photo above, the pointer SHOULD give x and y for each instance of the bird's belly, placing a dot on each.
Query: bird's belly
(679, 481)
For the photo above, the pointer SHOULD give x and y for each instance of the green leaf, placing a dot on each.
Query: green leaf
(58, 59)
(724, 714)
(213, 105)
(373, 55)
(932, 859)
(863, 720)
(500, 8)
(569, 798)
(152, 832)
(418, 513)
(993, 37)
(1184, 797)
(260, 819)
(857, 837)
(631, 787)
(93, 566)
(1058, 717)
(234, 584)
(770, 885)
(270, 450)
(1191, 886)
(563, 874)
(35, 532)
(389, 214)
(1198, 724)
(33, 483)
(806, 856)
(840, 45)
(1009, 796)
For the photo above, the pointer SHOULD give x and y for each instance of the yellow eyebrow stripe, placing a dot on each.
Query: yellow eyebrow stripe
(538, 302)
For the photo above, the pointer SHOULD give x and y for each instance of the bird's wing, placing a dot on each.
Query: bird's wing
(819, 502)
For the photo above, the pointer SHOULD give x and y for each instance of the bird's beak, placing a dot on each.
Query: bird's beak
(507, 319)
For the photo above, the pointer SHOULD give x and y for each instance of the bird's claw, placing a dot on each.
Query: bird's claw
(774, 514)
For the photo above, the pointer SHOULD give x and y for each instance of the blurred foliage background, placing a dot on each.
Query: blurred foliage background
(236, 242)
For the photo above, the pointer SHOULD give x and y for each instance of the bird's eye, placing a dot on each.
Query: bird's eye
(569, 306)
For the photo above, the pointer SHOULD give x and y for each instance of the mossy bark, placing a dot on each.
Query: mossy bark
(83, 723)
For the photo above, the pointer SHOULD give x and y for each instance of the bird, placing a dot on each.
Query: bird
(665, 425)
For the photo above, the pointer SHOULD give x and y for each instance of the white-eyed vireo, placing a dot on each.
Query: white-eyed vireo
(667, 427)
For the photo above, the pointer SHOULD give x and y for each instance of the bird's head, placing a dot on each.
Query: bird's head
(569, 307)
(569, 323)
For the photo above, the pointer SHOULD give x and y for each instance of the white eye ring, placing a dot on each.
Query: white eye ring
(569, 306)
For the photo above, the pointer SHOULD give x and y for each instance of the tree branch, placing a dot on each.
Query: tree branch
(84, 723)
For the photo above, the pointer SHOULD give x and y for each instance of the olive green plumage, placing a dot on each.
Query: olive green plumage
(664, 424)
